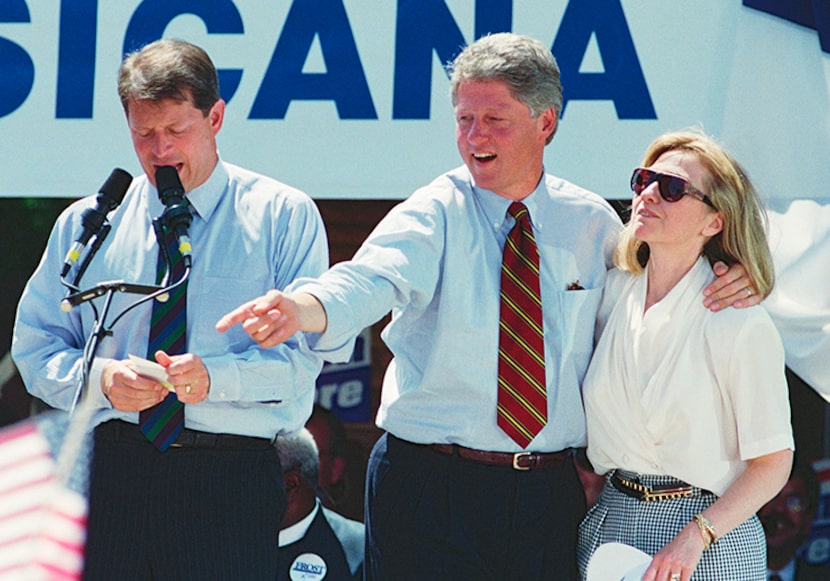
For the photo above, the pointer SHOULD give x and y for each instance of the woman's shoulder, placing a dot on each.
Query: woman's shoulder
(731, 317)
(747, 326)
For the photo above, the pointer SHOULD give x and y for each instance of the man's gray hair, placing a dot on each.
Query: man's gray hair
(524, 64)
(298, 451)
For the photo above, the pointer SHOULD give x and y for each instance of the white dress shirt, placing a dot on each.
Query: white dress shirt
(680, 390)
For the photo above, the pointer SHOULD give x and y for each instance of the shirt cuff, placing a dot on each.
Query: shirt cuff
(225, 380)
(94, 387)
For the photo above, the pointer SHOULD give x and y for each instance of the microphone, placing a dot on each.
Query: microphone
(176, 215)
(109, 196)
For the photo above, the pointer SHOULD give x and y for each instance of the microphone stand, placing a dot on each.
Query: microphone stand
(107, 289)
(82, 410)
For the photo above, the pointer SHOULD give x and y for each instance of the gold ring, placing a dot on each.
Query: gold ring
(187, 388)
(748, 291)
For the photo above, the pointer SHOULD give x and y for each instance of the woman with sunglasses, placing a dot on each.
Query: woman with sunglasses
(687, 409)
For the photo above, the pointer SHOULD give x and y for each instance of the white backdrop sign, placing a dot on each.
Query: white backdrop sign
(348, 98)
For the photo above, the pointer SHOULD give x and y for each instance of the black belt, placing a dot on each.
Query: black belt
(517, 461)
(187, 438)
(654, 493)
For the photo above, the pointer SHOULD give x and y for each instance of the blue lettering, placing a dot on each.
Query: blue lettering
(344, 82)
(623, 81)
(220, 17)
(18, 68)
(425, 26)
(309, 568)
(76, 59)
(424, 30)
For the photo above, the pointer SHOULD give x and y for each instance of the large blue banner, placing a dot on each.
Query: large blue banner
(348, 98)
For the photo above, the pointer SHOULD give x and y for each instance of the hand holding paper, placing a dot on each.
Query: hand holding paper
(152, 370)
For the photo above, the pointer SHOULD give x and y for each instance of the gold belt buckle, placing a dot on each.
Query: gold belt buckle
(516, 456)
(652, 494)
(670, 493)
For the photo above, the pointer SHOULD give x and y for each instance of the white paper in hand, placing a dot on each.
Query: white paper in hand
(617, 562)
(152, 370)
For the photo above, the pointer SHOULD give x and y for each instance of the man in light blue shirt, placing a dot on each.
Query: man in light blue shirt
(210, 505)
(449, 494)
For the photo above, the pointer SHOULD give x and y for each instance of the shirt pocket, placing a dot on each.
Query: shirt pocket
(577, 316)
(214, 296)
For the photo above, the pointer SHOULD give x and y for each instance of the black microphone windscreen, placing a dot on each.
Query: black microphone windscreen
(168, 182)
(115, 187)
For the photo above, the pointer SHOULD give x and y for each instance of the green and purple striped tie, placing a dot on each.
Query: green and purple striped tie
(168, 325)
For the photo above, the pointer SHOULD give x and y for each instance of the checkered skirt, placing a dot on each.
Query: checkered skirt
(738, 556)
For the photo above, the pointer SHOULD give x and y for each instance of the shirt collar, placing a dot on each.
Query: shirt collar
(495, 206)
(298, 530)
(205, 198)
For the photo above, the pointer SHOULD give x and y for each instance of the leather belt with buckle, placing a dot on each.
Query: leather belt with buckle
(517, 461)
(187, 438)
(654, 493)
(194, 439)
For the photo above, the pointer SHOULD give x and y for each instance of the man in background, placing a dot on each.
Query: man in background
(342, 464)
(313, 539)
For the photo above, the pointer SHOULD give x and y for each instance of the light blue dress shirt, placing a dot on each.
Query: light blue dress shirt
(435, 261)
(249, 234)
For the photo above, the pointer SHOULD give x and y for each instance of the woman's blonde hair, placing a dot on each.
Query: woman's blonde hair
(743, 238)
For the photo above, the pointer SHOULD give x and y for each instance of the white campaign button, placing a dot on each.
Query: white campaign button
(307, 567)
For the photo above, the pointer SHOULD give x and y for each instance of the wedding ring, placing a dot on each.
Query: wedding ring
(187, 389)
(748, 291)
(676, 576)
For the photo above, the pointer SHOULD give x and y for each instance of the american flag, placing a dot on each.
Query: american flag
(42, 521)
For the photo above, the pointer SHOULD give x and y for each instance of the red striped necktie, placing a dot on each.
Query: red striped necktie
(522, 396)
(162, 423)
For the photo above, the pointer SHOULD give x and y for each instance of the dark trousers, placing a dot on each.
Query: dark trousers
(186, 513)
(430, 516)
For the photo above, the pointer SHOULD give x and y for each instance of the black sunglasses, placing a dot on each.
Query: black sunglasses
(672, 188)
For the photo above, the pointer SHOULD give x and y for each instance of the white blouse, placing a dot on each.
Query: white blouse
(683, 391)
